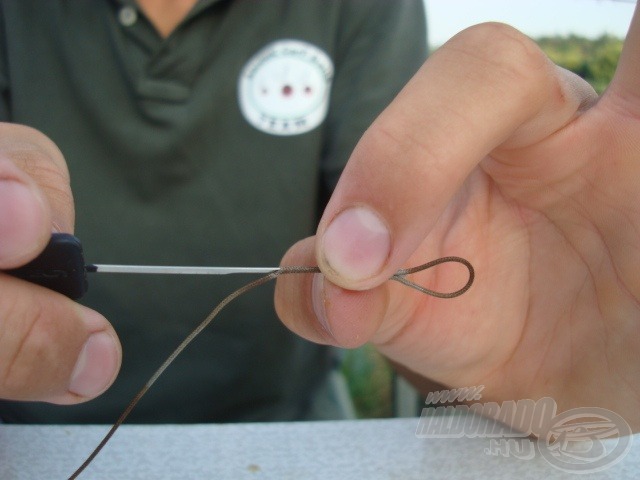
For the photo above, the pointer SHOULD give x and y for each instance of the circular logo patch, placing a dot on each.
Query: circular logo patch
(284, 88)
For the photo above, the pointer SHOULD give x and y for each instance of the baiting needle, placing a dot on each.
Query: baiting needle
(170, 270)
(61, 267)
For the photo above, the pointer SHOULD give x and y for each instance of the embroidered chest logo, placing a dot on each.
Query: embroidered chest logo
(284, 88)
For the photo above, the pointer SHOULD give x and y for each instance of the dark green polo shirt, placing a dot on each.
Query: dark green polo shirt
(184, 151)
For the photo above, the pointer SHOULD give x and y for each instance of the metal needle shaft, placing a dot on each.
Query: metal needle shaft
(169, 270)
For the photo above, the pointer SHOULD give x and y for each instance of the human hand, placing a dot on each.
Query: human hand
(51, 348)
(494, 154)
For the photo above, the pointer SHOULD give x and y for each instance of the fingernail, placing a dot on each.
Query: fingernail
(96, 366)
(318, 301)
(356, 244)
(18, 219)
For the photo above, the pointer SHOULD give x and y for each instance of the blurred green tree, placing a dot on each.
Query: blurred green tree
(594, 60)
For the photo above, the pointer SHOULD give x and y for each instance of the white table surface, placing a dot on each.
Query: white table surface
(364, 449)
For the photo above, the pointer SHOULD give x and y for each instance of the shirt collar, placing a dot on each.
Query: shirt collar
(200, 6)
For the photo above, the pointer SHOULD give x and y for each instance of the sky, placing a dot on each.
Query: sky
(589, 18)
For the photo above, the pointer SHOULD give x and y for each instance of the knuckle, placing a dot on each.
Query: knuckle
(39, 157)
(403, 142)
(507, 53)
(39, 164)
(30, 148)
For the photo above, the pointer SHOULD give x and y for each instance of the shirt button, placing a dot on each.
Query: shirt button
(127, 15)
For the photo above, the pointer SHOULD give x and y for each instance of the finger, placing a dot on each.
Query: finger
(625, 83)
(35, 195)
(320, 317)
(51, 348)
(488, 86)
(24, 217)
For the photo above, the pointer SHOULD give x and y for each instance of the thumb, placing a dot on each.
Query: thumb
(35, 194)
(489, 86)
(51, 348)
